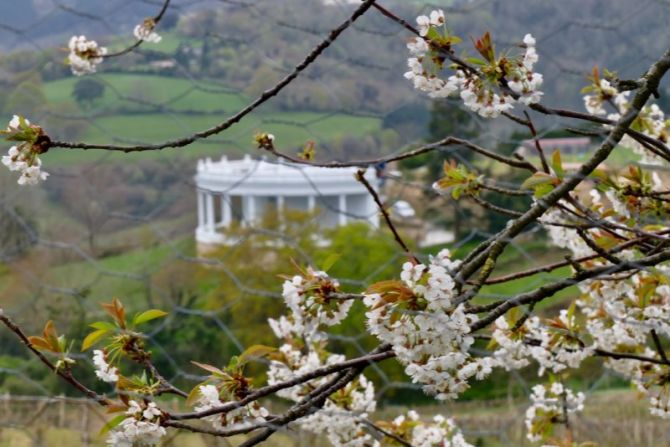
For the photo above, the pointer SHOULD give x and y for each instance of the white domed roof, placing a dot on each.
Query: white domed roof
(262, 177)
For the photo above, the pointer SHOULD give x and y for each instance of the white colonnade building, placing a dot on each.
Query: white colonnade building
(241, 191)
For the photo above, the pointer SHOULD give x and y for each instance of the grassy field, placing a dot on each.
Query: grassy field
(191, 107)
(125, 275)
(129, 90)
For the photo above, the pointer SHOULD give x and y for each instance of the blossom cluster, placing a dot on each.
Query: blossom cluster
(650, 121)
(84, 55)
(24, 156)
(659, 405)
(309, 299)
(491, 88)
(620, 314)
(550, 404)
(342, 417)
(441, 432)
(603, 92)
(239, 418)
(429, 333)
(554, 344)
(141, 427)
(103, 370)
(145, 31)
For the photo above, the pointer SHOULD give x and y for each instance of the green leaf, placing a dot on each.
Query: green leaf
(103, 325)
(475, 61)
(557, 165)
(148, 315)
(22, 123)
(543, 190)
(233, 363)
(453, 40)
(256, 352)
(433, 33)
(93, 338)
(330, 261)
(492, 344)
(536, 179)
(571, 311)
(209, 368)
(115, 421)
(62, 343)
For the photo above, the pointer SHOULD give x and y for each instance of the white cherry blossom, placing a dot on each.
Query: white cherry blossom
(141, 427)
(145, 31)
(84, 55)
(103, 370)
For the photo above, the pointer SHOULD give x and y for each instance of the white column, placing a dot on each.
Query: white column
(226, 210)
(249, 209)
(201, 209)
(373, 211)
(311, 203)
(342, 207)
(280, 208)
(210, 211)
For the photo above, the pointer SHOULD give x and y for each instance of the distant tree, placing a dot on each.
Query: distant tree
(447, 118)
(26, 97)
(87, 90)
(410, 121)
(18, 232)
(169, 21)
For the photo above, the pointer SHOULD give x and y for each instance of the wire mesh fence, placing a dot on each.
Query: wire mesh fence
(122, 225)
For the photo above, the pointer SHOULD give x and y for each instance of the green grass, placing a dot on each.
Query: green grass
(619, 158)
(292, 129)
(122, 276)
(177, 93)
(109, 277)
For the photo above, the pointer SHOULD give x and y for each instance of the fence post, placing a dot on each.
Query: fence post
(84, 426)
(6, 398)
(61, 411)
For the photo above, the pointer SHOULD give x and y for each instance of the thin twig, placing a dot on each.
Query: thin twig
(64, 373)
(386, 433)
(538, 146)
(157, 18)
(360, 176)
(448, 141)
(659, 346)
